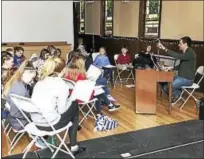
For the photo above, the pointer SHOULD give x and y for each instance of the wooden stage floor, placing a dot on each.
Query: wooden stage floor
(128, 120)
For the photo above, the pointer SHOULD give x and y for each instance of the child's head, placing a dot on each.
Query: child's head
(76, 67)
(18, 51)
(102, 50)
(11, 51)
(29, 74)
(78, 62)
(124, 49)
(51, 49)
(52, 66)
(58, 52)
(44, 54)
(149, 48)
(6, 60)
(26, 72)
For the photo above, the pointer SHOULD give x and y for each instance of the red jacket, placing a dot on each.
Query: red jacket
(123, 59)
(79, 77)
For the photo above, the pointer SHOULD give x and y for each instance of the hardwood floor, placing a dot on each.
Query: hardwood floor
(128, 120)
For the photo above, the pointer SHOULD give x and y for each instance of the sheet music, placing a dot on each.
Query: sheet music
(93, 72)
(98, 90)
(109, 66)
(83, 90)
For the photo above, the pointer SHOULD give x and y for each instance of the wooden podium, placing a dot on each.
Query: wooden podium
(146, 89)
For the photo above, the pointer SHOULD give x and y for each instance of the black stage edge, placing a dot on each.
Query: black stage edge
(145, 141)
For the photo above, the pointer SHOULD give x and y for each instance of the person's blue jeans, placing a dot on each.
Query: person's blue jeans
(103, 81)
(108, 72)
(101, 98)
(177, 83)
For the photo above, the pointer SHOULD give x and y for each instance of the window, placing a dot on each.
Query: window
(82, 17)
(152, 18)
(108, 22)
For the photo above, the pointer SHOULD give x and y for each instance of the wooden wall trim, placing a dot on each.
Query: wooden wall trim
(59, 43)
(141, 24)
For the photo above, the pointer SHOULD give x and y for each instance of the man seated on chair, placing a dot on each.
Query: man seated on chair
(186, 69)
(124, 60)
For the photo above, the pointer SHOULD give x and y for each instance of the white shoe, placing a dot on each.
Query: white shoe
(111, 98)
(40, 144)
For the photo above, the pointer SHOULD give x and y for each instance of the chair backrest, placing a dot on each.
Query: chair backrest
(26, 105)
(94, 55)
(136, 56)
(70, 83)
(116, 58)
(200, 71)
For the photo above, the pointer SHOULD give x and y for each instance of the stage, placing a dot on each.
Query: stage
(180, 140)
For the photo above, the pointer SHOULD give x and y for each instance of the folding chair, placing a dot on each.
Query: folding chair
(26, 105)
(83, 105)
(18, 134)
(94, 55)
(120, 71)
(193, 87)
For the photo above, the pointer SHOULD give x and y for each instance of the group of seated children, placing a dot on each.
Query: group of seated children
(142, 60)
(102, 60)
(42, 81)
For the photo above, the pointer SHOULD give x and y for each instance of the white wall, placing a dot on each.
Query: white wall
(37, 21)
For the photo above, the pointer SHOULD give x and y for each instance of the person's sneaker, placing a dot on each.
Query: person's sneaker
(80, 150)
(40, 144)
(174, 100)
(79, 128)
(198, 103)
(114, 108)
(111, 98)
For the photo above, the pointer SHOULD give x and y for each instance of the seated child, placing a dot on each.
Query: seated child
(76, 71)
(124, 60)
(102, 60)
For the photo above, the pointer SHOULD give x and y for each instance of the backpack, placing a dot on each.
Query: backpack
(200, 105)
(104, 123)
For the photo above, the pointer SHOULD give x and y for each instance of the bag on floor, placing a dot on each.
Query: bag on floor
(104, 123)
(200, 105)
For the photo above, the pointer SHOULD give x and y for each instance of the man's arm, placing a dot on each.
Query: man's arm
(185, 56)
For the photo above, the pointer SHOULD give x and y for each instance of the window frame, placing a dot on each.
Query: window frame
(79, 29)
(144, 22)
(103, 20)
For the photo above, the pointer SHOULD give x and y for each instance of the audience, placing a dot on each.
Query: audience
(6, 66)
(71, 55)
(11, 51)
(17, 84)
(76, 71)
(100, 80)
(44, 55)
(58, 52)
(18, 56)
(101, 61)
(51, 95)
(124, 60)
(52, 50)
(83, 50)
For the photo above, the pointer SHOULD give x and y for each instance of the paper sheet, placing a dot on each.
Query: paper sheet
(93, 72)
(109, 66)
(83, 90)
